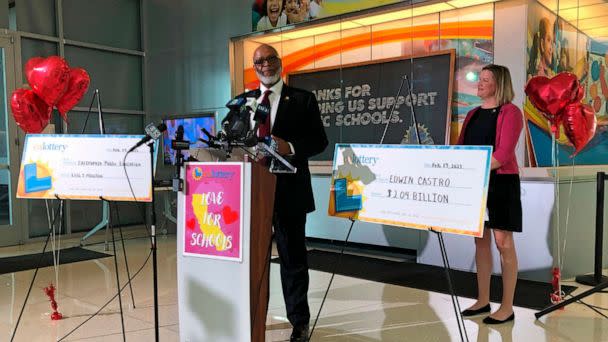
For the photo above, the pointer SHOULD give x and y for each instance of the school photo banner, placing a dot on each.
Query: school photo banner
(270, 14)
(213, 224)
(443, 188)
(84, 167)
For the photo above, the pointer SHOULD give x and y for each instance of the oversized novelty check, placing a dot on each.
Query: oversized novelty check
(417, 186)
(85, 167)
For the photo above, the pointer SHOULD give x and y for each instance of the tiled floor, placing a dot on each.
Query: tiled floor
(355, 310)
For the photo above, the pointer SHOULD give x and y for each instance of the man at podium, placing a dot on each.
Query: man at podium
(295, 125)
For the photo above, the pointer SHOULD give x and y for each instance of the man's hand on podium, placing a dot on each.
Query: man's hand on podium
(283, 147)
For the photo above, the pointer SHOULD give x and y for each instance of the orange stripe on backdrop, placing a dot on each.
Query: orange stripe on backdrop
(482, 29)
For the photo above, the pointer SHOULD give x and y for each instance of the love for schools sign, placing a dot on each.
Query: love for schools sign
(416, 186)
(214, 210)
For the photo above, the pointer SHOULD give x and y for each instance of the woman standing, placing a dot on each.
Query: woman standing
(498, 123)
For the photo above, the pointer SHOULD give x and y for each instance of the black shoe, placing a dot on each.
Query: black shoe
(490, 320)
(469, 312)
(299, 333)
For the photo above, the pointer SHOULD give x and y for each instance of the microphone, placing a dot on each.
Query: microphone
(211, 140)
(179, 143)
(236, 103)
(236, 125)
(251, 104)
(152, 133)
(179, 134)
(261, 113)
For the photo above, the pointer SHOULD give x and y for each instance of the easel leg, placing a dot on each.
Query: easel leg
(455, 304)
(333, 273)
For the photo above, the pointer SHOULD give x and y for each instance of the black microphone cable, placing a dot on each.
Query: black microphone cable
(109, 301)
(121, 289)
(140, 268)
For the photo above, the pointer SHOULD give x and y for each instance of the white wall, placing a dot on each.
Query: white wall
(510, 25)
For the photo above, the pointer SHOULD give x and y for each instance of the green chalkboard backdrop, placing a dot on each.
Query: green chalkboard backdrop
(356, 100)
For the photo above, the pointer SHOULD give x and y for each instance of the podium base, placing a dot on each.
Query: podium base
(589, 279)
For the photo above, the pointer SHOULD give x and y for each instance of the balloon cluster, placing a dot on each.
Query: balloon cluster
(53, 84)
(559, 100)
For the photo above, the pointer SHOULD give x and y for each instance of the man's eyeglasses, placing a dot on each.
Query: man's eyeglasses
(270, 60)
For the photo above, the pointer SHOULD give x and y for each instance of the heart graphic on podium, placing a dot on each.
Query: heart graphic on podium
(190, 224)
(229, 215)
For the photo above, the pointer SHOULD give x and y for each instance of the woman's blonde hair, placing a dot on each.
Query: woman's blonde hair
(504, 86)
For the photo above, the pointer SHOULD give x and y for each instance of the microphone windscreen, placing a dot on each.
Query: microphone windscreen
(236, 103)
(261, 113)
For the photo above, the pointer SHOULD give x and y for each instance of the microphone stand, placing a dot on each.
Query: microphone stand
(178, 184)
(153, 246)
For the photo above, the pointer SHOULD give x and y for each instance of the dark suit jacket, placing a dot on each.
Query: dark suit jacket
(298, 121)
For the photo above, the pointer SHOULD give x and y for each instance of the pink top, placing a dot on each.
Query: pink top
(508, 129)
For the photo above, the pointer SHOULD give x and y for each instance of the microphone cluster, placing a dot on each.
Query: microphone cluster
(236, 127)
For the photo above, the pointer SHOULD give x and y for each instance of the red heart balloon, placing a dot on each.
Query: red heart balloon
(48, 77)
(551, 96)
(580, 124)
(78, 84)
(31, 113)
(29, 66)
(580, 94)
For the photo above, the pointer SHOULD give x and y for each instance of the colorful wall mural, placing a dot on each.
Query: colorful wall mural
(270, 14)
(555, 46)
(468, 31)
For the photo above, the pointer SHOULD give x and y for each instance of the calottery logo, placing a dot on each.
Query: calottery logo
(49, 147)
(197, 173)
(34, 183)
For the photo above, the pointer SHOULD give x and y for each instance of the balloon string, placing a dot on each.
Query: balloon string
(555, 162)
(55, 242)
(52, 229)
(561, 263)
(59, 248)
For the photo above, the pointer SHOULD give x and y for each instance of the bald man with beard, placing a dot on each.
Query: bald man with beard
(297, 129)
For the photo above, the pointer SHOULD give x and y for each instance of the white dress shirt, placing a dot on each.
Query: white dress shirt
(274, 98)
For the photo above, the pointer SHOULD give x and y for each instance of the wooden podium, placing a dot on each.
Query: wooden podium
(221, 298)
